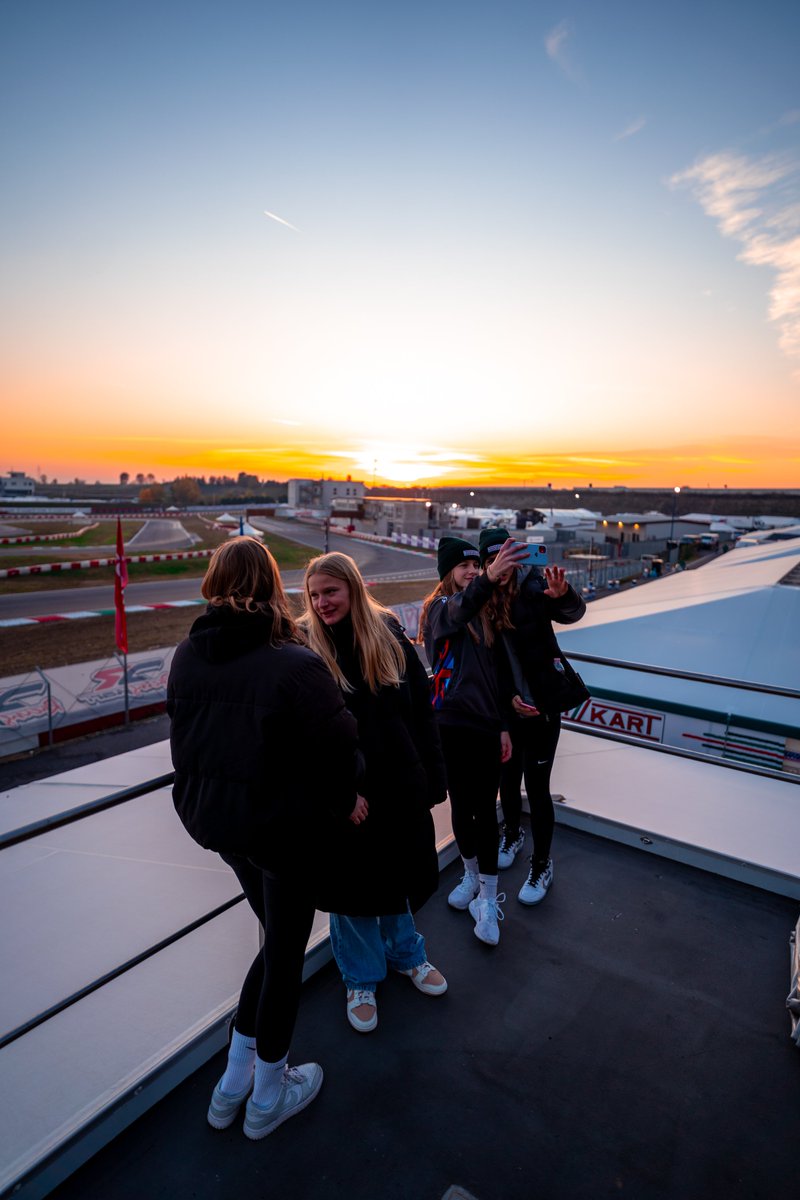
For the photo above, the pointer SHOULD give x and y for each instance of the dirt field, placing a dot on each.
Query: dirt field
(57, 645)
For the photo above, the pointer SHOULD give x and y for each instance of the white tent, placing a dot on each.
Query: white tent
(248, 529)
(227, 519)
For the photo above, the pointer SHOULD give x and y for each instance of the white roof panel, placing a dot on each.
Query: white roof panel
(730, 617)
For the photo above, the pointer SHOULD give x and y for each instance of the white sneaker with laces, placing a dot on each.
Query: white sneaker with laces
(486, 914)
(509, 849)
(464, 891)
(427, 979)
(299, 1086)
(537, 885)
(367, 1019)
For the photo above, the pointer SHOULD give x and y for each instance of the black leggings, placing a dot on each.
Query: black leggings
(472, 761)
(270, 995)
(534, 741)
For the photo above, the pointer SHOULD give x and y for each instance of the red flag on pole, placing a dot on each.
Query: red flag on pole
(120, 582)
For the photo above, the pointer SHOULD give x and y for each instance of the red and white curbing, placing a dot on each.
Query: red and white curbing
(50, 618)
(46, 537)
(50, 568)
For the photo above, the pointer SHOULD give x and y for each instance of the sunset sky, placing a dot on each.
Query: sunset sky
(418, 243)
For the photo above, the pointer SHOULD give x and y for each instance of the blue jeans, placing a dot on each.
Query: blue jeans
(364, 947)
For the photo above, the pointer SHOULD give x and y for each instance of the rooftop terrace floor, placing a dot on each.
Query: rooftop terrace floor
(626, 1038)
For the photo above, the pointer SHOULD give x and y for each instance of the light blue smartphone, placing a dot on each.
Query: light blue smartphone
(536, 556)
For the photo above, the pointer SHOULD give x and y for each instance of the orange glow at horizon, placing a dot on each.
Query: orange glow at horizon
(758, 462)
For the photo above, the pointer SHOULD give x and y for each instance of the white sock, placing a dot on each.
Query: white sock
(241, 1060)
(488, 887)
(268, 1082)
(470, 865)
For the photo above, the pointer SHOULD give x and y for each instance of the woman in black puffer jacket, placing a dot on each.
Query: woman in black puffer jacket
(261, 743)
(384, 866)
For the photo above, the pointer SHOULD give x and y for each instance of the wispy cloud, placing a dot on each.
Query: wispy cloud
(281, 221)
(629, 130)
(557, 46)
(757, 203)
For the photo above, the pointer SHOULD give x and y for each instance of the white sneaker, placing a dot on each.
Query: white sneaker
(509, 849)
(486, 914)
(464, 892)
(537, 885)
(299, 1086)
(427, 979)
(367, 1018)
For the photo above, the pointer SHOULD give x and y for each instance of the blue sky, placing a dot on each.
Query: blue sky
(528, 237)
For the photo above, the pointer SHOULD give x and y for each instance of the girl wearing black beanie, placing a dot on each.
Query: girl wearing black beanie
(520, 615)
(466, 699)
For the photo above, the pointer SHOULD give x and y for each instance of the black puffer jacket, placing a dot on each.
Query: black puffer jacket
(533, 639)
(467, 687)
(378, 867)
(262, 743)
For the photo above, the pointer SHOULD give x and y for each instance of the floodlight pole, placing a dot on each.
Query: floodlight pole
(675, 494)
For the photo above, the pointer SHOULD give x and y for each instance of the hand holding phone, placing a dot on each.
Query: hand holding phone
(536, 555)
(523, 709)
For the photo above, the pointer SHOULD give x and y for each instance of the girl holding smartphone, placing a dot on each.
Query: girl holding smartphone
(524, 605)
(471, 716)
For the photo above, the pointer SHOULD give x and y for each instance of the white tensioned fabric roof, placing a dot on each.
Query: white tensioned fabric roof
(731, 617)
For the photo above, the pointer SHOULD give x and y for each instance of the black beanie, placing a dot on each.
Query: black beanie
(490, 541)
(451, 551)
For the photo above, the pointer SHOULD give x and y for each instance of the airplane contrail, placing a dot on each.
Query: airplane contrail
(281, 220)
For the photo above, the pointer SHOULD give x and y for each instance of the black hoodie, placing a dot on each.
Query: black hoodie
(261, 741)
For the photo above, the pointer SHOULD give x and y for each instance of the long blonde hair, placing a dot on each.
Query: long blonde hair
(243, 575)
(379, 652)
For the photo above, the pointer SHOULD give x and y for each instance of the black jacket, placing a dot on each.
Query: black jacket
(533, 639)
(389, 861)
(465, 688)
(261, 741)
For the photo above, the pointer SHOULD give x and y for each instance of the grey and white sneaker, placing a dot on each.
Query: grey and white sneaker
(299, 1086)
(486, 914)
(537, 885)
(510, 847)
(464, 892)
(223, 1109)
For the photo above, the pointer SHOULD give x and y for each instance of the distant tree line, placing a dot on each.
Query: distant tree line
(188, 490)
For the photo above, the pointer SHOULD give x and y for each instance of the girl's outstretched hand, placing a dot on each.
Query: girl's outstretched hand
(556, 582)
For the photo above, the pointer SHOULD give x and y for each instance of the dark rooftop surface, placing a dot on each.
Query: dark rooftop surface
(626, 1038)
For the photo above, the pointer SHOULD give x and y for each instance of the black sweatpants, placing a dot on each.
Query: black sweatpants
(472, 763)
(270, 995)
(534, 741)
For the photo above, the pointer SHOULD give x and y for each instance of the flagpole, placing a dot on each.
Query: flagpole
(123, 662)
(120, 620)
(125, 677)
